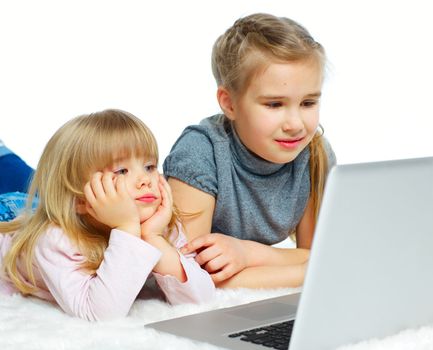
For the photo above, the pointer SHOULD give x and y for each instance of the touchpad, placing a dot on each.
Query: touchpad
(264, 311)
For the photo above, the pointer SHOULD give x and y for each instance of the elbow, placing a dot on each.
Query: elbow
(208, 294)
(192, 292)
(202, 292)
(108, 316)
(101, 316)
(298, 275)
(100, 313)
(305, 255)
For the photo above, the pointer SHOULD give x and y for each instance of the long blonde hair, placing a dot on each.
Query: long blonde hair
(249, 46)
(83, 145)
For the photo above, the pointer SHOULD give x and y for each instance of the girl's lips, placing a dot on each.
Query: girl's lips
(148, 198)
(289, 144)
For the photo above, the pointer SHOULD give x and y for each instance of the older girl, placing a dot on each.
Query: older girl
(249, 177)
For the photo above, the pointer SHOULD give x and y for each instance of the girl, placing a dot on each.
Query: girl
(104, 221)
(249, 177)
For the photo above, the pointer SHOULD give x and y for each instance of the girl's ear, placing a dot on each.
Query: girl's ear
(225, 101)
(80, 206)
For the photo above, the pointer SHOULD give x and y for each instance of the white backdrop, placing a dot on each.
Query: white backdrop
(59, 59)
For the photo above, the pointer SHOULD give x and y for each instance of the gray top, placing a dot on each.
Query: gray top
(255, 199)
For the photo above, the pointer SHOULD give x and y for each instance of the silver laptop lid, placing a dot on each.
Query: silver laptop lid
(371, 267)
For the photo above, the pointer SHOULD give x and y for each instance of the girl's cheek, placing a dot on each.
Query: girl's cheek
(156, 182)
(129, 188)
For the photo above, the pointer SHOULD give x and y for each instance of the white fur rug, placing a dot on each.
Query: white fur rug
(29, 323)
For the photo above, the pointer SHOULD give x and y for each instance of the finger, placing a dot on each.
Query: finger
(198, 243)
(96, 184)
(88, 193)
(120, 185)
(166, 199)
(166, 196)
(222, 275)
(207, 255)
(163, 195)
(91, 211)
(216, 264)
(108, 184)
(167, 187)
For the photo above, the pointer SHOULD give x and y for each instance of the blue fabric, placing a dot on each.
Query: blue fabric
(4, 150)
(11, 205)
(15, 173)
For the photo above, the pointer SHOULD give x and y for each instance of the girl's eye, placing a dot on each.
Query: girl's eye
(309, 103)
(150, 167)
(121, 171)
(273, 104)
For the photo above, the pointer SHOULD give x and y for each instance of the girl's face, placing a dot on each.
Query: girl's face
(278, 114)
(142, 182)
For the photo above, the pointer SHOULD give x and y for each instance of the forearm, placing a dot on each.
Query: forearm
(169, 263)
(107, 294)
(267, 277)
(259, 254)
(198, 287)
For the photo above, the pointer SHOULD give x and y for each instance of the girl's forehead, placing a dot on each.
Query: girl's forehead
(290, 77)
(127, 155)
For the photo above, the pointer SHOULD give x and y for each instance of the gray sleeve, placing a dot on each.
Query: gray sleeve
(192, 161)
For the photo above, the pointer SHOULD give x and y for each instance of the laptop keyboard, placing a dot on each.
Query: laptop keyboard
(275, 336)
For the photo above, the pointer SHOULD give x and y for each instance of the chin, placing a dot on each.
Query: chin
(146, 216)
(284, 159)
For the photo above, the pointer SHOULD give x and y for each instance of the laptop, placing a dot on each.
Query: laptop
(370, 272)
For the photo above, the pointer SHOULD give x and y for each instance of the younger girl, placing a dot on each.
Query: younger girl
(104, 221)
(249, 177)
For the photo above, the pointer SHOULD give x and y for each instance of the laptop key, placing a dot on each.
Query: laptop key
(276, 336)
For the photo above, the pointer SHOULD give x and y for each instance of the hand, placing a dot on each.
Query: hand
(221, 255)
(109, 202)
(159, 221)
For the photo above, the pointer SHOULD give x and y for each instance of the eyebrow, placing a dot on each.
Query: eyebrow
(273, 97)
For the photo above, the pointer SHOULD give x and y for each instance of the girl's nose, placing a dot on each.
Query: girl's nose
(293, 122)
(143, 180)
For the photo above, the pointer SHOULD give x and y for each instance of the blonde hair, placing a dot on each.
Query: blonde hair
(248, 47)
(83, 145)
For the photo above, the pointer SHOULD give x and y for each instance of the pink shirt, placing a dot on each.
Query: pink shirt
(110, 292)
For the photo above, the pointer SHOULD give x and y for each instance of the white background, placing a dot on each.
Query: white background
(59, 59)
